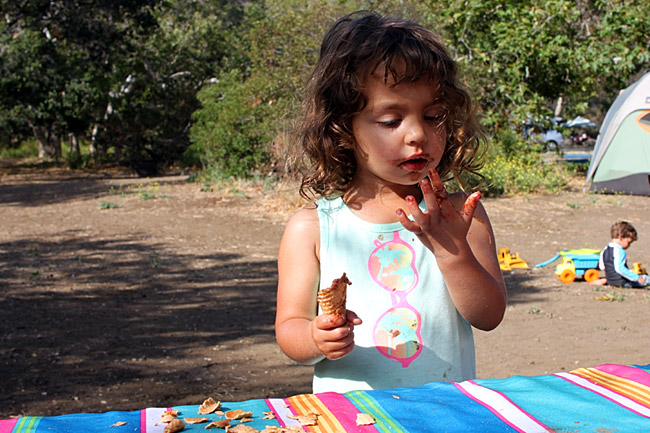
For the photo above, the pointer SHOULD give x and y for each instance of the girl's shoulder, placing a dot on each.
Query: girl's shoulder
(305, 215)
(303, 221)
(457, 199)
(302, 233)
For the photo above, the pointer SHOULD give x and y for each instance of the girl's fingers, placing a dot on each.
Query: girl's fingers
(406, 222)
(433, 205)
(440, 194)
(340, 352)
(439, 207)
(326, 322)
(470, 206)
(420, 218)
(353, 318)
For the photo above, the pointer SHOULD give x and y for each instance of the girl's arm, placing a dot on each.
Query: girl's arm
(457, 230)
(303, 336)
(474, 278)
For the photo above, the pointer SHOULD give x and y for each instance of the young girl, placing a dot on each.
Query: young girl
(385, 119)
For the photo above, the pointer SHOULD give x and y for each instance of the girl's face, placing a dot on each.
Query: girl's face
(399, 134)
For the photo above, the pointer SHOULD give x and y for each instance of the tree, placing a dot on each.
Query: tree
(150, 117)
(56, 60)
(254, 107)
(125, 74)
(521, 57)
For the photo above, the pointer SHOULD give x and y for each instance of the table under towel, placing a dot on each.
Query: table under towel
(605, 398)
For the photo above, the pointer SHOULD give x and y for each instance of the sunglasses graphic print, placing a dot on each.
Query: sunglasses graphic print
(397, 331)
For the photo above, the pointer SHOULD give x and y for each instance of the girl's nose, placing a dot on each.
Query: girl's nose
(416, 133)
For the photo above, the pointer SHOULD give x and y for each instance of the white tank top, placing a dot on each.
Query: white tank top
(412, 333)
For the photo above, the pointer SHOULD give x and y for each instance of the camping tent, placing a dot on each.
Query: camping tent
(621, 158)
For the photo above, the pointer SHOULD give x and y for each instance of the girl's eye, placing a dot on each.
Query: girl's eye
(390, 123)
(437, 119)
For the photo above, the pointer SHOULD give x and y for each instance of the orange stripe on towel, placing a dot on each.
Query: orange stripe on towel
(630, 389)
(307, 404)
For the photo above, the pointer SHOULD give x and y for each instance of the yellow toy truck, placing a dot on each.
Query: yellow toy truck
(507, 261)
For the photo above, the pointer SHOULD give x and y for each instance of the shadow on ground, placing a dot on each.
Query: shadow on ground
(84, 320)
(39, 192)
(524, 287)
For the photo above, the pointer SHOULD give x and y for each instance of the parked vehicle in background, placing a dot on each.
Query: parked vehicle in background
(583, 131)
(555, 133)
(551, 138)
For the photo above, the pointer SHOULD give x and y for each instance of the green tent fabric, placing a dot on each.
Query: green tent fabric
(621, 158)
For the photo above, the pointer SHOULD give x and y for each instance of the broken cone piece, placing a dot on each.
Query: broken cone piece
(209, 406)
(332, 299)
(175, 426)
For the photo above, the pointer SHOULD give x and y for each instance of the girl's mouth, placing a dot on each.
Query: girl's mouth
(415, 164)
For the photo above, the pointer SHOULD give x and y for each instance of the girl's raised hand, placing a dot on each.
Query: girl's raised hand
(441, 228)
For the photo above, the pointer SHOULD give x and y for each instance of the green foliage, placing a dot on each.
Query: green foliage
(103, 205)
(520, 57)
(52, 64)
(218, 83)
(226, 132)
(26, 149)
(245, 120)
(153, 97)
(512, 168)
(124, 74)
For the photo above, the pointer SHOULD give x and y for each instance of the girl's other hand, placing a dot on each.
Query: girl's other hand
(478, 291)
(334, 335)
(441, 227)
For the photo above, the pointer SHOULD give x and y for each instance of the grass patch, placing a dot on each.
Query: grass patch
(534, 310)
(107, 205)
(27, 149)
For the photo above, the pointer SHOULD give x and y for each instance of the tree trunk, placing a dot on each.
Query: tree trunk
(93, 141)
(74, 144)
(95, 150)
(49, 144)
(558, 107)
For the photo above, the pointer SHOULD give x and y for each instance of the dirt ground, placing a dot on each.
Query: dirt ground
(119, 293)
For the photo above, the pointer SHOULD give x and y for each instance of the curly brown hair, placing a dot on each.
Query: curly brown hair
(359, 44)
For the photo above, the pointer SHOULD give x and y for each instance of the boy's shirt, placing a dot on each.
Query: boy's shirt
(613, 260)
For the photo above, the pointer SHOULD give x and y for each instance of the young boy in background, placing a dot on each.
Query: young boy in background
(613, 259)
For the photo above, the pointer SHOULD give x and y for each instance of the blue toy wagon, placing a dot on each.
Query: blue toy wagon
(575, 263)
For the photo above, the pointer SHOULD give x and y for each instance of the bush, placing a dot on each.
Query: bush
(225, 134)
(26, 149)
(513, 167)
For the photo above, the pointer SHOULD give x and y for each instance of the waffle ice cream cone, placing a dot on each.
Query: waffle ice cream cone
(332, 299)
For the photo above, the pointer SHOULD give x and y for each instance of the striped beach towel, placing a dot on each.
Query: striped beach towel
(605, 398)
